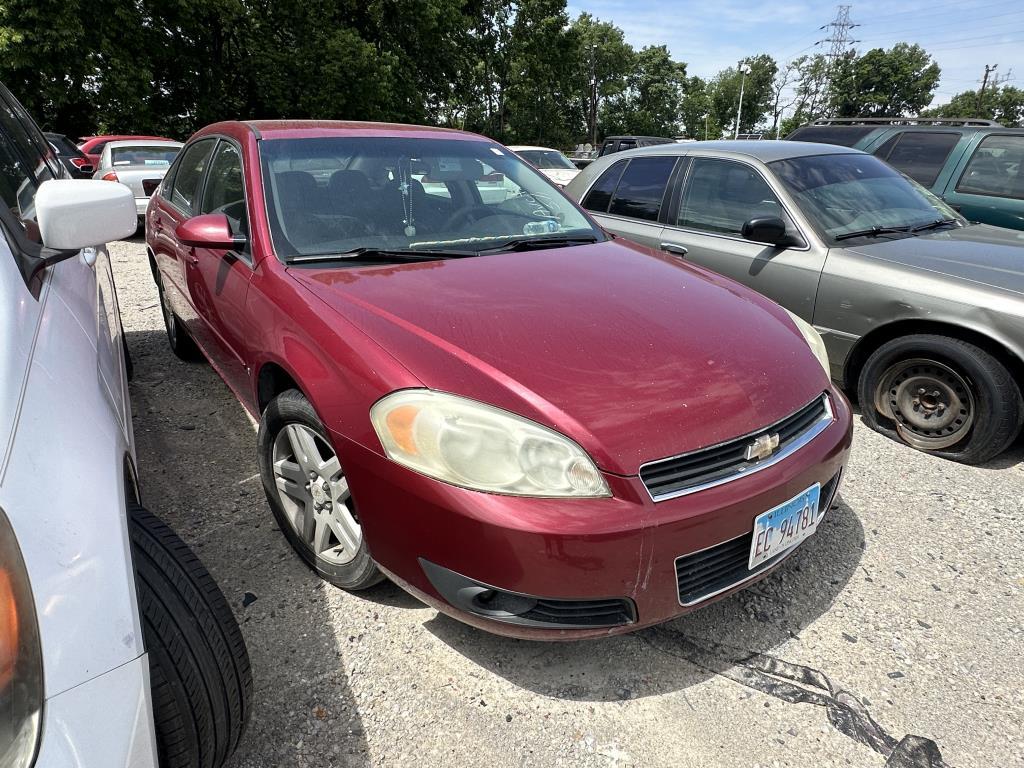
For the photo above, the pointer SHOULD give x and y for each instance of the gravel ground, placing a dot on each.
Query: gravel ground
(892, 638)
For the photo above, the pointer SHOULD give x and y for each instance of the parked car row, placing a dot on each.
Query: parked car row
(116, 646)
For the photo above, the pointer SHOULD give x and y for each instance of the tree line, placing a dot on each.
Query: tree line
(515, 70)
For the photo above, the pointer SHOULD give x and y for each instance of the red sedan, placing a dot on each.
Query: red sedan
(464, 384)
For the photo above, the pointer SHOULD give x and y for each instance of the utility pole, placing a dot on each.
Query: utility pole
(744, 68)
(839, 41)
(593, 100)
(984, 82)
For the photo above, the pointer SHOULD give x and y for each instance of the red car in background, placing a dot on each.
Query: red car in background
(92, 146)
(464, 384)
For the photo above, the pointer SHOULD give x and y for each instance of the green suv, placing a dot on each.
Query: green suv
(976, 166)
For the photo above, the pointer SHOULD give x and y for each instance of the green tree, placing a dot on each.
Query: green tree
(650, 103)
(1004, 104)
(695, 111)
(602, 62)
(899, 81)
(757, 93)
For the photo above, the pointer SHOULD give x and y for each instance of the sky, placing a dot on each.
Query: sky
(962, 36)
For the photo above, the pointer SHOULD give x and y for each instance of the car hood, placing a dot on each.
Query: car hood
(561, 175)
(980, 253)
(633, 354)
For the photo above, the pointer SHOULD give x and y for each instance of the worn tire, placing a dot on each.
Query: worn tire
(198, 664)
(998, 408)
(178, 338)
(291, 407)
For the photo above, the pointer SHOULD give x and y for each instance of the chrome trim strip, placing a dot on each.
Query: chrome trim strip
(809, 434)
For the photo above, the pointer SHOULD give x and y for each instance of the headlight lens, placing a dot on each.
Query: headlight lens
(21, 669)
(814, 341)
(477, 446)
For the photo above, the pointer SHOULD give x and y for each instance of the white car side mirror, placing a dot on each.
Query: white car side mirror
(75, 213)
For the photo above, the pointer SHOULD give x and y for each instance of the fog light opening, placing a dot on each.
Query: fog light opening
(494, 602)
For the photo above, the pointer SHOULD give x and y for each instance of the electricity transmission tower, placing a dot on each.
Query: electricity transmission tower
(839, 41)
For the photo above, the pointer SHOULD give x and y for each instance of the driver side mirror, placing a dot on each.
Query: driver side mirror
(770, 230)
(79, 213)
(209, 230)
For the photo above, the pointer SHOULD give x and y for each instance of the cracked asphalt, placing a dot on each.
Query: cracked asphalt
(892, 638)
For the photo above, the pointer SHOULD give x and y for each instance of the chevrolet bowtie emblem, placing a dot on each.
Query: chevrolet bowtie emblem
(762, 447)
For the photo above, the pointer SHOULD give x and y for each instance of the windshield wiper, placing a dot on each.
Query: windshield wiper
(536, 243)
(934, 224)
(873, 232)
(381, 255)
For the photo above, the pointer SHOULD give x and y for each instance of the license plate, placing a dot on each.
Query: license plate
(785, 526)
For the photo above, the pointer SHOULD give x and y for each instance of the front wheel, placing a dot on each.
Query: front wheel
(942, 396)
(309, 495)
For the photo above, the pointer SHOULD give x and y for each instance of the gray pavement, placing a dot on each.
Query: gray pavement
(893, 638)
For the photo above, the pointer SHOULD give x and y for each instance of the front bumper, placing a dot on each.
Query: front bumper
(597, 550)
(106, 721)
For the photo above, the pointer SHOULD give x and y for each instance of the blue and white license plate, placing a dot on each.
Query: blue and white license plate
(785, 526)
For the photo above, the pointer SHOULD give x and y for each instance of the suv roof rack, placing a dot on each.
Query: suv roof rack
(905, 121)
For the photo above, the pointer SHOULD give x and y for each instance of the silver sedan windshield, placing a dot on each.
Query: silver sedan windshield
(847, 194)
(338, 194)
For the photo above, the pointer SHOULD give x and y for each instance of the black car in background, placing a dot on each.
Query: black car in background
(78, 165)
(614, 144)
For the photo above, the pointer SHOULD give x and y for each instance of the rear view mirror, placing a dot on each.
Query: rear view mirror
(768, 229)
(210, 230)
(78, 213)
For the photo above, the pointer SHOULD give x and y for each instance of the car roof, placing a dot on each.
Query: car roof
(121, 143)
(280, 129)
(765, 151)
(518, 147)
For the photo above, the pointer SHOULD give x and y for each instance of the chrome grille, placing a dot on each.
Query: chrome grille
(707, 467)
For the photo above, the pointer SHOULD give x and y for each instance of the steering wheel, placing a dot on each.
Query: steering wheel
(467, 212)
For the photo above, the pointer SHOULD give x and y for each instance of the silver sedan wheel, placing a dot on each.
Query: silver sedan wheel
(314, 494)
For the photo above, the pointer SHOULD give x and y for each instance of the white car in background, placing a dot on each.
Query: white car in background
(116, 646)
(139, 164)
(552, 163)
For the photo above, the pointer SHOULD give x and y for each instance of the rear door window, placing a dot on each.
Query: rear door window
(721, 195)
(919, 154)
(642, 187)
(600, 195)
(995, 168)
(189, 174)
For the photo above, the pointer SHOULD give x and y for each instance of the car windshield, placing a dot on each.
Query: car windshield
(855, 193)
(546, 159)
(161, 156)
(335, 195)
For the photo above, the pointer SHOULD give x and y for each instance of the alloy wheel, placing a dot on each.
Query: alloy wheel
(931, 403)
(315, 496)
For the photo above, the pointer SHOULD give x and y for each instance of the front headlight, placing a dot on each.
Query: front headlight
(480, 447)
(814, 341)
(21, 669)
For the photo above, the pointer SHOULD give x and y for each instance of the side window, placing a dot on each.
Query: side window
(97, 148)
(22, 170)
(189, 174)
(921, 154)
(600, 195)
(642, 188)
(996, 168)
(225, 188)
(721, 195)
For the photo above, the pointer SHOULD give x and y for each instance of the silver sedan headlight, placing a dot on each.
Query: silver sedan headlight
(813, 339)
(21, 669)
(480, 447)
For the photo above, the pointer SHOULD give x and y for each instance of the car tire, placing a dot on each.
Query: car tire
(199, 669)
(349, 567)
(178, 338)
(941, 395)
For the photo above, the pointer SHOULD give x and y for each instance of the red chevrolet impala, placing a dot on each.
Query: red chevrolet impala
(466, 385)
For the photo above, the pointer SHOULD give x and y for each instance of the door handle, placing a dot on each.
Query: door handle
(675, 250)
(191, 258)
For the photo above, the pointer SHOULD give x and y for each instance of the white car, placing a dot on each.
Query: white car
(116, 646)
(139, 164)
(552, 163)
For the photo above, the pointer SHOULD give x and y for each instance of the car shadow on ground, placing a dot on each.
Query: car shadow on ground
(688, 650)
(197, 464)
